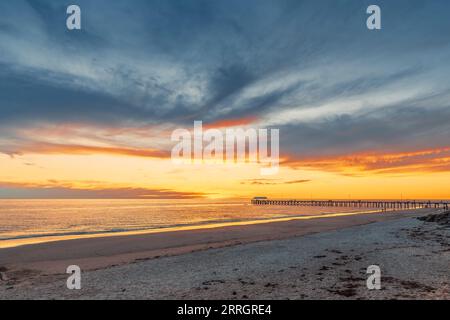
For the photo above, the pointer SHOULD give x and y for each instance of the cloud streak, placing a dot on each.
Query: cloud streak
(53, 148)
(56, 190)
(272, 182)
(424, 161)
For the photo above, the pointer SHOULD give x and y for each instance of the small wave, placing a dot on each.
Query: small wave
(149, 228)
(119, 230)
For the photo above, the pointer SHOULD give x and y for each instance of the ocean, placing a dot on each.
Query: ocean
(27, 219)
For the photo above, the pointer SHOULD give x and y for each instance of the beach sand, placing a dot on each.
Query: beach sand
(324, 258)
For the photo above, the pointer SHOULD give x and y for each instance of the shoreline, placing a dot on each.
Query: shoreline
(97, 251)
(24, 241)
(284, 260)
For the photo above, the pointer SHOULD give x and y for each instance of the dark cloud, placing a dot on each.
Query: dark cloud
(391, 129)
(178, 61)
(25, 98)
(14, 190)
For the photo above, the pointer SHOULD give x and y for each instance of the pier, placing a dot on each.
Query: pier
(394, 205)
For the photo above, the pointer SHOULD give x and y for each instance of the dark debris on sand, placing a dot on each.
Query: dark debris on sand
(440, 218)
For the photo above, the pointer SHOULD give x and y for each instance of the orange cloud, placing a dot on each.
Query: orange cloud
(433, 160)
(272, 182)
(55, 148)
(231, 123)
(92, 130)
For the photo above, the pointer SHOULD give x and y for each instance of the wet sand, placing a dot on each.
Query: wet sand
(299, 259)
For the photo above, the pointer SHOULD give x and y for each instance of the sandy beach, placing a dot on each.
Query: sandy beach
(323, 258)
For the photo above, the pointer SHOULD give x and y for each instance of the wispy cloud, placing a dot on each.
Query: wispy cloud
(272, 182)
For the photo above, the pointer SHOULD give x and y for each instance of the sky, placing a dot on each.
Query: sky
(89, 113)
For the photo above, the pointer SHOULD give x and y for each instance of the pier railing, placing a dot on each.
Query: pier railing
(355, 203)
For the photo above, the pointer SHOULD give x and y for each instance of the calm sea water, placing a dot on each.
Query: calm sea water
(39, 218)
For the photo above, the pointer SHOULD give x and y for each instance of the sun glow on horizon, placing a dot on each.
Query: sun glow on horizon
(132, 175)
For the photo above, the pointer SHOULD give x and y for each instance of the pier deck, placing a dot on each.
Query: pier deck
(410, 204)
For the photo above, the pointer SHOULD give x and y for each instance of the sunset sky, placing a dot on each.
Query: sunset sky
(90, 113)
